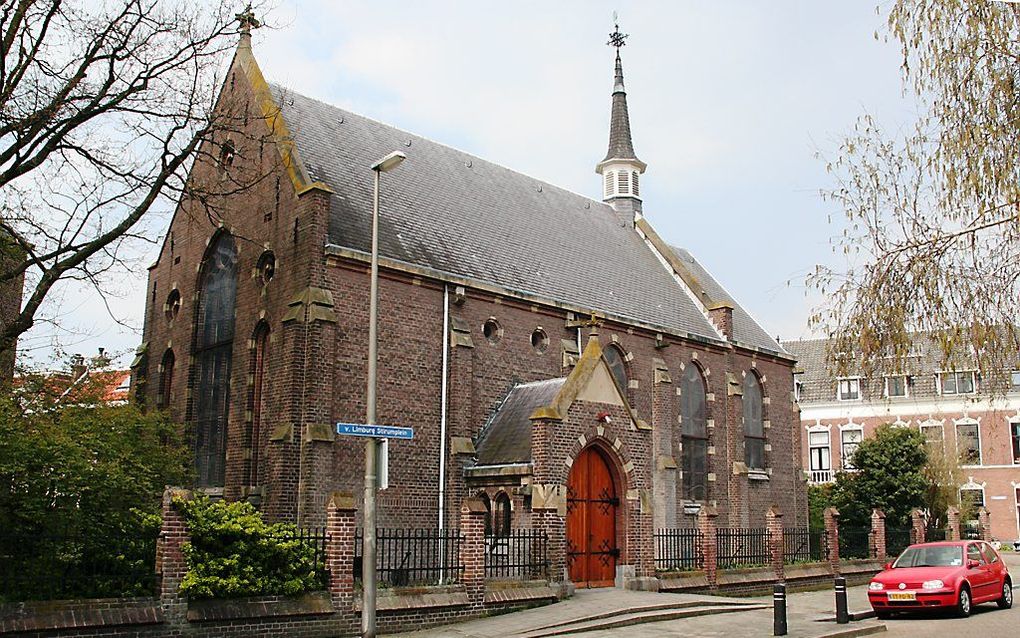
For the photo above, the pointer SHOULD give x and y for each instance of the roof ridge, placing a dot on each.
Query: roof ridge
(443, 144)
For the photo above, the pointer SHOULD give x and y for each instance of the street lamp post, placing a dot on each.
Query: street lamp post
(386, 164)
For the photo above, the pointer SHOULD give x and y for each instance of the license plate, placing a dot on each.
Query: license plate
(902, 595)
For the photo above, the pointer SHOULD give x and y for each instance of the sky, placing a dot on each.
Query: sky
(731, 102)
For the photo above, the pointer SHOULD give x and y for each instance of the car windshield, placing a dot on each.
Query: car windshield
(931, 556)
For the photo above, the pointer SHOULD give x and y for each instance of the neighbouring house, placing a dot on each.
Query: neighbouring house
(956, 409)
(81, 382)
(598, 431)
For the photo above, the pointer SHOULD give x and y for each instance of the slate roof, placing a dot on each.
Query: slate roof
(818, 380)
(745, 329)
(447, 210)
(506, 438)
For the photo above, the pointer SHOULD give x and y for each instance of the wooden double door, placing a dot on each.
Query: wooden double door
(592, 504)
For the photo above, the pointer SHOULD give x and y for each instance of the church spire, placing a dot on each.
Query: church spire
(621, 167)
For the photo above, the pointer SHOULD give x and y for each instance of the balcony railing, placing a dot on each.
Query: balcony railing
(821, 476)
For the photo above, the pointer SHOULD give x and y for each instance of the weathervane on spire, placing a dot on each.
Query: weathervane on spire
(247, 20)
(617, 39)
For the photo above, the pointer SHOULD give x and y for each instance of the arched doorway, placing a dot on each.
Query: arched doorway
(592, 502)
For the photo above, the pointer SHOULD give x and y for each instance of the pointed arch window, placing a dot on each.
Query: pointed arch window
(694, 434)
(260, 343)
(488, 513)
(214, 340)
(501, 515)
(754, 425)
(615, 358)
(166, 379)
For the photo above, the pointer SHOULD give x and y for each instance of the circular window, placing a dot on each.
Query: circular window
(492, 330)
(539, 340)
(173, 304)
(266, 267)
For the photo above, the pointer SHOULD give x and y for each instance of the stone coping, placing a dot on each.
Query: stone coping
(312, 604)
(407, 598)
(520, 594)
(64, 614)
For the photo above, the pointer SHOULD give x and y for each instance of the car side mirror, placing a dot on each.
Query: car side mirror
(887, 566)
(973, 564)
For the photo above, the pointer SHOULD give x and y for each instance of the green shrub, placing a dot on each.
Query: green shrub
(234, 553)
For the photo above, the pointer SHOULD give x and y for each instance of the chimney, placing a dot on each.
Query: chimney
(77, 366)
(721, 315)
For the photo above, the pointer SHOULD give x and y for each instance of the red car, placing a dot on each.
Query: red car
(950, 575)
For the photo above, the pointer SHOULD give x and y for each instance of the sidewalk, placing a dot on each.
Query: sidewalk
(804, 609)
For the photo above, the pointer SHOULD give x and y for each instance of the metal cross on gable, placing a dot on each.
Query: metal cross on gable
(617, 39)
(247, 19)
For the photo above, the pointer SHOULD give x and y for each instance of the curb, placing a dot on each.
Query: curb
(856, 631)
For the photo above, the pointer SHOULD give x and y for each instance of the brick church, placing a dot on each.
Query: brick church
(674, 399)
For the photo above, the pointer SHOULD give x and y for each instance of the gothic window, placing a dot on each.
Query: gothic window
(694, 434)
(617, 365)
(501, 515)
(754, 425)
(214, 339)
(173, 304)
(260, 341)
(166, 379)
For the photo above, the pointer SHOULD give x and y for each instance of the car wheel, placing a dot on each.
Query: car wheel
(963, 603)
(1007, 595)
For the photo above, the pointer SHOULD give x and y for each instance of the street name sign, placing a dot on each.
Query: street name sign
(375, 431)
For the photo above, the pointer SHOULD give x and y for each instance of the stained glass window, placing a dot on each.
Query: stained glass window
(214, 342)
(614, 357)
(166, 379)
(754, 426)
(258, 364)
(694, 435)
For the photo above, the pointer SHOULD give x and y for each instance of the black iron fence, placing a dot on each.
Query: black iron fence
(933, 535)
(897, 539)
(412, 556)
(854, 542)
(803, 544)
(76, 564)
(742, 547)
(678, 549)
(521, 554)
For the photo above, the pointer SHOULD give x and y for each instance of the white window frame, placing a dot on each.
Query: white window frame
(1012, 387)
(971, 486)
(812, 447)
(933, 424)
(798, 385)
(956, 433)
(906, 386)
(839, 389)
(850, 427)
(1010, 422)
(973, 379)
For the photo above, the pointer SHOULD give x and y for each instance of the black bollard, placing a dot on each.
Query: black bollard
(842, 614)
(779, 609)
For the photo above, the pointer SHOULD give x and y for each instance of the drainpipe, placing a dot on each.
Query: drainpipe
(579, 342)
(442, 407)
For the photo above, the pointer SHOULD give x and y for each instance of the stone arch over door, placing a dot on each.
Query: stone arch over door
(595, 521)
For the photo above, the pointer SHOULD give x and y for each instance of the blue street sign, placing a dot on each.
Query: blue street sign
(375, 431)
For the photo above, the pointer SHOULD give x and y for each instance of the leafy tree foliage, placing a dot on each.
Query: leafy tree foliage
(80, 489)
(931, 235)
(234, 553)
(890, 477)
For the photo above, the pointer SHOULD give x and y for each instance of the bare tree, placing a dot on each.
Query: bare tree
(104, 107)
(932, 233)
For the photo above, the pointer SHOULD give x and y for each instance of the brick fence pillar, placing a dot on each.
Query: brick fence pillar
(985, 524)
(170, 563)
(472, 550)
(918, 531)
(777, 543)
(709, 545)
(877, 548)
(953, 524)
(831, 516)
(340, 528)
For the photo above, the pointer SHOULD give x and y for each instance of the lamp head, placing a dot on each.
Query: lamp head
(389, 162)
